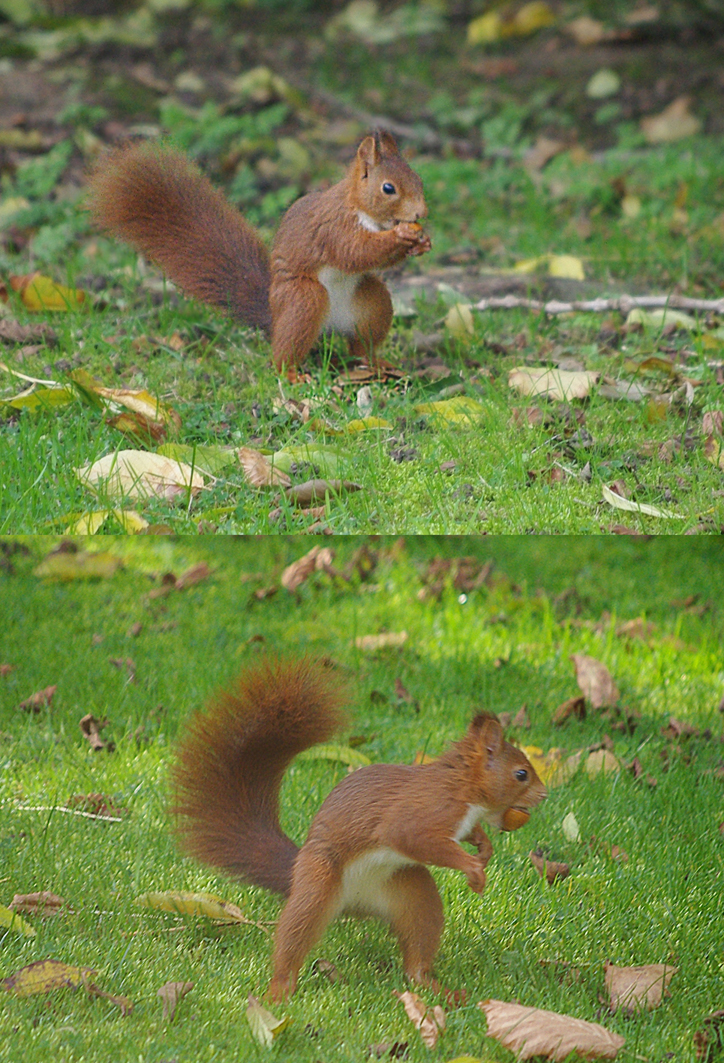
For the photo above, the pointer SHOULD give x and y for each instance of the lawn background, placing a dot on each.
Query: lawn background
(497, 647)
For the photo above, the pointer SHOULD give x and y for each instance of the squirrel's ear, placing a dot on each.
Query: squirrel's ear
(368, 154)
(488, 732)
(386, 143)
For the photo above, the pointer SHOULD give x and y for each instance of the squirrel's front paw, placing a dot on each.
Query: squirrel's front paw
(411, 234)
(477, 880)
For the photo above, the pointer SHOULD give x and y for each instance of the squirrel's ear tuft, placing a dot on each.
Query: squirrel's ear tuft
(487, 730)
(385, 143)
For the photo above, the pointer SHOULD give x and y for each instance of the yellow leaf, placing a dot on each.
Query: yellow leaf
(459, 320)
(459, 410)
(184, 903)
(11, 205)
(530, 265)
(714, 451)
(533, 16)
(660, 317)
(364, 424)
(485, 29)
(80, 565)
(90, 522)
(566, 266)
(40, 398)
(13, 921)
(630, 206)
(548, 765)
(265, 1027)
(343, 754)
(619, 502)
(42, 293)
(45, 976)
(601, 760)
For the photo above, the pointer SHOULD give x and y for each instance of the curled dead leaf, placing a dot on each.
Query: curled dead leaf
(551, 870)
(317, 490)
(429, 1021)
(171, 993)
(265, 1027)
(534, 1032)
(595, 681)
(42, 904)
(575, 706)
(259, 469)
(632, 988)
(39, 700)
(91, 728)
(386, 640)
(318, 559)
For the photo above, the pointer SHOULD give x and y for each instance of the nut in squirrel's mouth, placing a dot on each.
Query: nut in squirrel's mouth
(514, 817)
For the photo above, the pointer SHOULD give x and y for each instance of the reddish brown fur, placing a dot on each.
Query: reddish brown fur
(152, 198)
(385, 820)
(230, 765)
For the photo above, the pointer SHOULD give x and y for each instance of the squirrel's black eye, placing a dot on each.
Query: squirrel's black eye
(521, 774)
(388, 188)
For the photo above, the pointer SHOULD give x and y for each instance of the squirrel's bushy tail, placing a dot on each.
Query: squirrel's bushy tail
(154, 199)
(230, 764)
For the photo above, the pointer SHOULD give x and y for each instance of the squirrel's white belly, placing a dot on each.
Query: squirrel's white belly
(341, 288)
(363, 881)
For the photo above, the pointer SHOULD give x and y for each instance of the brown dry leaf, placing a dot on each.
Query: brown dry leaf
(317, 490)
(712, 423)
(386, 640)
(295, 574)
(631, 988)
(126, 663)
(551, 870)
(714, 450)
(328, 969)
(674, 122)
(91, 728)
(542, 152)
(170, 993)
(586, 30)
(635, 629)
(575, 706)
(44, 976)
(533, 1032)
(595, 681)
(560, 384)
(521, 718)
(402, 693)
(11, 331)
(429, 1021)
(100, 805)
(259, 470)
(5, 669)
(38, 701)
(42, 904)
(601, 760)
(709, 1039)
(123, 1003)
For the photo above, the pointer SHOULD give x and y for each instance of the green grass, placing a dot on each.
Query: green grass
(505, 479)
(501, 646)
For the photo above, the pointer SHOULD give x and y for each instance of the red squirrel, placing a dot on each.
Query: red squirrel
(320, 274)
(367, 846)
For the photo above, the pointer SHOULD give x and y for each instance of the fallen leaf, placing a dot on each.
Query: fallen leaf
(461, 409)
(559, 384)
(632, 988)
(259, 470)
(595, 681)
(604, 83)
(714, 451)
(37, 398)
(41, 293)
(184, 903)
(601, 760)
(384, 641)
(265, 1027)
(341, 754)
(429, 1021)
(548, 765)
(311, 491)
(585, 30)
(41, 904)
(459, 320)
(551, 870)
(570, 828)
(170, 993)
(123, 1003)
(619, 502)
(91, 728)
(541, 153)
(10, 919)
(295, 574)
(78, 564)
(91, 522)
(660, 317)
(674, 122)
(366, 424)
(39, 700)
(566, 266)
(533, 1032)
(575, 706)
(44, 976)
(709, 1039)
(140, 474)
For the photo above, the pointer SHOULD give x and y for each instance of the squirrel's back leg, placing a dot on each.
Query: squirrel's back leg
(373, 318)
(416, 918)
(298, 312)
(312, 904)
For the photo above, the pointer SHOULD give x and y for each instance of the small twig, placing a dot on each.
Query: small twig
(69, 811)
(624, 303)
